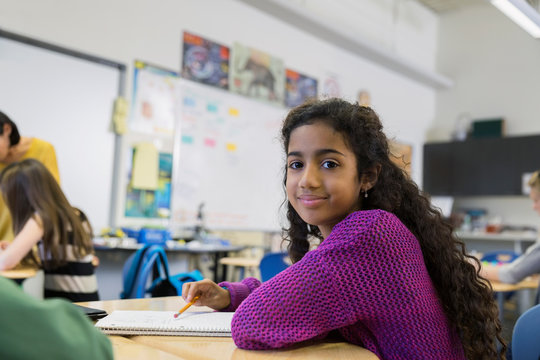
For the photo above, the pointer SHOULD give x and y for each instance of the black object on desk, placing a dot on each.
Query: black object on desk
(93, 314)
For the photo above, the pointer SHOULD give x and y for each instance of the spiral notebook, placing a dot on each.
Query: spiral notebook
(121, 322)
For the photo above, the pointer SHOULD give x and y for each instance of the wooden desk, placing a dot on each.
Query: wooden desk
(19, 273)
(241, 264)
(209, 348)
(217, 252)
(524, 303)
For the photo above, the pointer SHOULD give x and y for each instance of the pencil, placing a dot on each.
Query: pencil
(187, 306)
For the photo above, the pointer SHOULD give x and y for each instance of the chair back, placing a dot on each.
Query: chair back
(526, 335)
(271, 264)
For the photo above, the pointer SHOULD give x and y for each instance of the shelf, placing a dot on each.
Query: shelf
(298, 17)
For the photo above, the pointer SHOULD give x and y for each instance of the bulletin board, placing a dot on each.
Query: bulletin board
(227, 156)
(66, 98)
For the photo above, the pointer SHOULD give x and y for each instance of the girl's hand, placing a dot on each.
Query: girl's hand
(211, 294)
(4, 244)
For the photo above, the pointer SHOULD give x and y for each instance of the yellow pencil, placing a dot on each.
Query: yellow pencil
(187, 306)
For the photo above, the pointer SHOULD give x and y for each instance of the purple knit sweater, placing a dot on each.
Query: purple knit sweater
(367, 279)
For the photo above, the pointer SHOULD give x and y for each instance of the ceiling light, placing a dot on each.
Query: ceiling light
(521, 13)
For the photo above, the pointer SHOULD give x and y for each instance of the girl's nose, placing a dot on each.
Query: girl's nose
(310, 177)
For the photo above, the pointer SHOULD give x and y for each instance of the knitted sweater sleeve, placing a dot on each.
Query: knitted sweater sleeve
(288, 308)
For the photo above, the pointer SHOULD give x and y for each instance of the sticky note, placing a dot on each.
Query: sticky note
(234, 112)
(145, 171)
(230, 147)
(209, 142)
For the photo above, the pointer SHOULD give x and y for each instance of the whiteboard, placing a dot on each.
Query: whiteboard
(227, 156)
(67, 101)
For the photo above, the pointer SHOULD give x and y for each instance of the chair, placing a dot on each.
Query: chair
(271, 264)
(525, 337)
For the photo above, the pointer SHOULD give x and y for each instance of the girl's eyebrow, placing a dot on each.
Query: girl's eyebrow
(318, 152)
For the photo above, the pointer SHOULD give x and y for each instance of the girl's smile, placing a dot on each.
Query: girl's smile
(322, 177)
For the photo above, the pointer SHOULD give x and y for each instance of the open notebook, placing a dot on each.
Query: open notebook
(121, 322)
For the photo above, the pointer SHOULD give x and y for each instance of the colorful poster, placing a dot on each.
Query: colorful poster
(257, 74)
(205, 61)
(298, 88)
(331, 86)
(151, 203)
(153, 100)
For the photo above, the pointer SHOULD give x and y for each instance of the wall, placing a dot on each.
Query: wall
(495, 66)
(151, 31)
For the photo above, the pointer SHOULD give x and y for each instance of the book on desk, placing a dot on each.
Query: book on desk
(164, 323)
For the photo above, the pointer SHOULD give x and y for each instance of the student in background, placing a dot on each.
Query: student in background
(14, 147)
(528, 263)
(388, 274)
(42, 215)
(46, 329)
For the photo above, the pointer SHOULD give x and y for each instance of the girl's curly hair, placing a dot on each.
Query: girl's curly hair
(466, 297)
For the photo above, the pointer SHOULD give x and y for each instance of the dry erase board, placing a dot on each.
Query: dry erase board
(227, 156)
(65, 98)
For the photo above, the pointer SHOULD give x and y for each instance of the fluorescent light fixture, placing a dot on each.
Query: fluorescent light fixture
(521, 13)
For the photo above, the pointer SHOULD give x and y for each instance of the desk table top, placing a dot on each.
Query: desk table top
(195, 347)
(19, 273)
(530, 282)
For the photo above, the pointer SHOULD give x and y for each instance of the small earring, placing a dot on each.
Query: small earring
(365, 194)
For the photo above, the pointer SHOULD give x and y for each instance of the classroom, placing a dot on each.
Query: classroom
(165, 118)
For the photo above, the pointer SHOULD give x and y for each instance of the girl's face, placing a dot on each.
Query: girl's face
(535, 197)
(322, 179)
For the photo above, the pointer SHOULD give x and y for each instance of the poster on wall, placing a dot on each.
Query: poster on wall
(205, 61)
(153, 100)
(256, 74)
(151, 203)
(401, 155)
(331, 86)
(298, 88)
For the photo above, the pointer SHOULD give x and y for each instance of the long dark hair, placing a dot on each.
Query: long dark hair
(466, 297)
(28, 189)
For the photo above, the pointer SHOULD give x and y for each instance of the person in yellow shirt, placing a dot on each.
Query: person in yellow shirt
(14, 147)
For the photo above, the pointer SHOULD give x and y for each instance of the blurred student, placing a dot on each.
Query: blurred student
(14, 147)
(528, 263)
(42, 215)
(46, 329)
(388, 274)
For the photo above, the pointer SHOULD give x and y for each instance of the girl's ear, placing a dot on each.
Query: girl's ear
(369, 177)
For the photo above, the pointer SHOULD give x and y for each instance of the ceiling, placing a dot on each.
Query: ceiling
(441, 6)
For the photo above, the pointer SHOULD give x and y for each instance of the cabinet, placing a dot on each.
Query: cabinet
(476, 167)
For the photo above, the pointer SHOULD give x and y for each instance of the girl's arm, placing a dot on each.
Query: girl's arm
(23, 243)
(298, 304)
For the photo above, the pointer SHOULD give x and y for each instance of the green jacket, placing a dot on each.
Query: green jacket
(46, 329)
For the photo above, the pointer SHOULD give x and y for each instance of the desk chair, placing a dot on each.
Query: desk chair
(273, 263)
(525, 337)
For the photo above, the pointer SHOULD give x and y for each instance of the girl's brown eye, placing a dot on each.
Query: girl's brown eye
(295, 165)
(330, 164)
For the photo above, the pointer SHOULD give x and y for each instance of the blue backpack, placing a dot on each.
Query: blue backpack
(147, 272)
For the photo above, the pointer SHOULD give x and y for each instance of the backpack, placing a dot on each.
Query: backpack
(147, 272)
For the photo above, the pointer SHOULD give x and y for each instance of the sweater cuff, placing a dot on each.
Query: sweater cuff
(238, 291)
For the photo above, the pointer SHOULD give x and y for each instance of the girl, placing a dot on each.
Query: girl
(388, 275)
(528, 263)
(42, 215)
